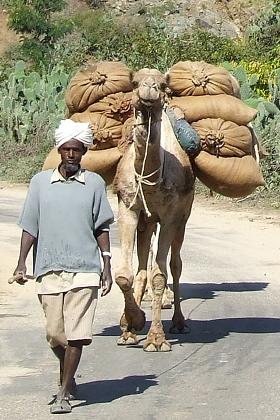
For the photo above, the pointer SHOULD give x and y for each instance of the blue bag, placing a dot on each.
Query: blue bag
(187, 137)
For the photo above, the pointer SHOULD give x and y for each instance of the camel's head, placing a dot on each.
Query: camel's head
(149, 88)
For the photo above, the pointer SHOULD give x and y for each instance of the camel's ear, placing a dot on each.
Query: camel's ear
(131, 76)
(132, 79)
(167, 78)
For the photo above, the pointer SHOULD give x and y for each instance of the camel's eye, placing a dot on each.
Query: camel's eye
(163, 86)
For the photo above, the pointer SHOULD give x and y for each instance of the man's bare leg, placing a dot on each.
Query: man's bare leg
(72, 358)
(59, 351)
(71, 361)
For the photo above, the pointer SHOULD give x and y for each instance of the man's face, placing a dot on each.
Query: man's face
(71, 154)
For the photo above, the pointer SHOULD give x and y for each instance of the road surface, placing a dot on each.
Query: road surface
(228, 367)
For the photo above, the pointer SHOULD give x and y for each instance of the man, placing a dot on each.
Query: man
(66, 216)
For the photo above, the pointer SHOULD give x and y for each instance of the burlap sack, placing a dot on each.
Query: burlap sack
(226, 107)
(103, 162)
(235, 87)
(223, 138)
(106, 131)
(117, 106)
(232, 176)
(127, 135)
(199, 78)
(96, 81)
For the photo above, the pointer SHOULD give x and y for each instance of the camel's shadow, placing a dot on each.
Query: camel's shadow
(111, 389)
(209, 331)
(208, 290)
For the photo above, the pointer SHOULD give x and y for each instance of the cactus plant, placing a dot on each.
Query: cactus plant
(30, 102)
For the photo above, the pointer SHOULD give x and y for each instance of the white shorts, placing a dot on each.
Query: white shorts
(69, 315)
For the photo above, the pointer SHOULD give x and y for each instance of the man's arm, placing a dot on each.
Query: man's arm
(26, 243)
(103, 240)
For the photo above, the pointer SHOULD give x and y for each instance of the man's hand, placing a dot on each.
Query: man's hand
(106, 280)
(27, 240)
(20, 275)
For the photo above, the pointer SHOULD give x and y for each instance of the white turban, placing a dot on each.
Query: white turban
(69, 130)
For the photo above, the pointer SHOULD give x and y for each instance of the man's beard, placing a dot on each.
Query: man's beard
(71, 167)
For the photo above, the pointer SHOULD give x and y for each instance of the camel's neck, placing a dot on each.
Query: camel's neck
(147, 129)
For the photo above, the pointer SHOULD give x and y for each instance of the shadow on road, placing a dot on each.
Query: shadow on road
(112, 389)
(207, 290)
(209, 331)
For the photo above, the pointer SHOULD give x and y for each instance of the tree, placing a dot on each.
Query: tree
(35, 20)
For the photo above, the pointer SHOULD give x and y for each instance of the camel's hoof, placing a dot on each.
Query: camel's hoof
(182, 329)
(149, 346)
(135, 319)
(127, 339)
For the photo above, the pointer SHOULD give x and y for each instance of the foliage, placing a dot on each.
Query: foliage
(263, 34)
(270, 137)
(149, 43)
(34, 20)
(31, 106)
(70, 52)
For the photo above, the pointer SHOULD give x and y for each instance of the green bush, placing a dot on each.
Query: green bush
(34, 20)
(270, 137)
(263, 33)
(147, 41)
(31, 106)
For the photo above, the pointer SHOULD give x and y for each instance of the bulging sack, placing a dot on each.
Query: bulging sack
(95, 82)
(223, 138)
(226, 107)
(235, 87)
(187, 78)
(230, 176)
(106, 131)
(117, 106)
(127, 135)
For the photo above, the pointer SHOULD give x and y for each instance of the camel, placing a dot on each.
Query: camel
(155, 185)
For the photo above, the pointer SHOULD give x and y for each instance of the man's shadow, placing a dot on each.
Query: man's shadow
(111, 389)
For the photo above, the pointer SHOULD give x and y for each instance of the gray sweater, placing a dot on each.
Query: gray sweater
(64, 217)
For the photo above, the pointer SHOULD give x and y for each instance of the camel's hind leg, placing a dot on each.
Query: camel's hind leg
(133, 318)
(143, 250)
(178, 321)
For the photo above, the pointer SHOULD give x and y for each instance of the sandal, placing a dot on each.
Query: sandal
(61, 406)
(73, 394)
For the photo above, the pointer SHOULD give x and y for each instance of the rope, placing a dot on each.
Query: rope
(144, 179)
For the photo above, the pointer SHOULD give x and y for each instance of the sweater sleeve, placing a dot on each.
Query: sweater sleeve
(29, 217)
(102, 212)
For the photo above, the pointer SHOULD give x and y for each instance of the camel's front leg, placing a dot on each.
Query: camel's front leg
(133, 318)
(156, 338)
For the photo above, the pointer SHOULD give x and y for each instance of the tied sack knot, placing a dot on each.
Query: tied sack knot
(213, 141)
(122, 107)
(97, 78)
(200, 79)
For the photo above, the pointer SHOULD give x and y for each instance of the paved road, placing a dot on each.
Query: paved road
(227, 367)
